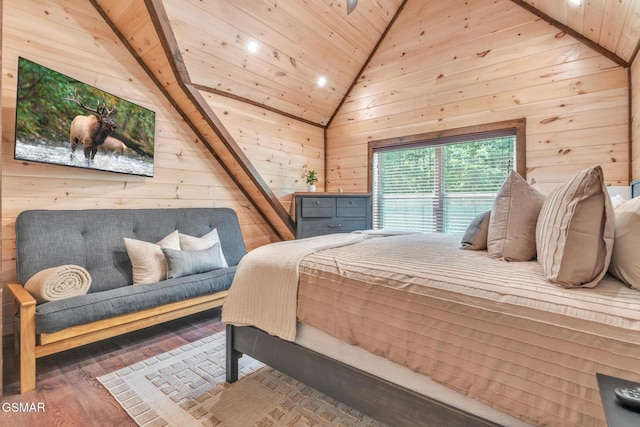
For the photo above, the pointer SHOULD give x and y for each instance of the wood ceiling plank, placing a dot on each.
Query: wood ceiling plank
(609, 24)
(170, 79)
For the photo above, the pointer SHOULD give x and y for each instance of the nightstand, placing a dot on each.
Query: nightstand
(327, 213)
(617, 415)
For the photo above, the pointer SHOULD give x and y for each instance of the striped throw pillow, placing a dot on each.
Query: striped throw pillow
(575, 231)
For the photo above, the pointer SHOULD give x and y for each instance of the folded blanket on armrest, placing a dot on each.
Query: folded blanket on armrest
(57, 283)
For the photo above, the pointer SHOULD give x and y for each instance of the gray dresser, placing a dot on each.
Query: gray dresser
(326, 213)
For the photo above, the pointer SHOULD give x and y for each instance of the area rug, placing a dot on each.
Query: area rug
(186, 387)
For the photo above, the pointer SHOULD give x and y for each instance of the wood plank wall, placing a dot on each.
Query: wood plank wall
(449, 63)
(280, 148)
(635, 119)
(72, 38)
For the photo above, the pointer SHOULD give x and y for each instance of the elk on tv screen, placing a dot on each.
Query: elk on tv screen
(62, 121)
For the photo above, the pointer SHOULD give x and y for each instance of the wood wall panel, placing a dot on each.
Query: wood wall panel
(282, 149)
(73, 39)
(458, 64)
(634, 77)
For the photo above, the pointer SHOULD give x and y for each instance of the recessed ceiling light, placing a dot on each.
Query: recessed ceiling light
(322, 81)
(252, 46)
(576, 2)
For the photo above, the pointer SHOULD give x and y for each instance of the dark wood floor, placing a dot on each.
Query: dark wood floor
(66, 382)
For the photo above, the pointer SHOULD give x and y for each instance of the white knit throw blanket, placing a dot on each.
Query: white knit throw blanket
(264, 292)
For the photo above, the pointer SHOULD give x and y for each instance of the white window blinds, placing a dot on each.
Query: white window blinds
(440, 186)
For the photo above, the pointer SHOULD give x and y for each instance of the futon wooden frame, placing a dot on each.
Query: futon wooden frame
(30, 346)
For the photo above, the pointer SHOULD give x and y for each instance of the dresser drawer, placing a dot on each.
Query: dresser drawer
(351, 207)
(318, 207)
(320, 227)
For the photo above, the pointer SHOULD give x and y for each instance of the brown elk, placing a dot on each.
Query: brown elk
(91, 130)
(113, 145)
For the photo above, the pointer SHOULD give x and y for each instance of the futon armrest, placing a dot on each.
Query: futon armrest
(21, 296)
(25, 335)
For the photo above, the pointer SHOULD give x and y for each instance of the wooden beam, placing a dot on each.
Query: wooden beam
(576, 35)
(366, 63)
(254, 187)
(254, 103)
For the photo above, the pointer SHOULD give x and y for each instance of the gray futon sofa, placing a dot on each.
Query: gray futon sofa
(94, 240)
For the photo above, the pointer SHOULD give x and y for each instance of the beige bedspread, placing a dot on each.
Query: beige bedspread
(494, 330)
(265, 286)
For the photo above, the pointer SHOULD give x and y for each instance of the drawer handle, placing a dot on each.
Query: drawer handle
(350, 202)
(335, 225)
(317, 202)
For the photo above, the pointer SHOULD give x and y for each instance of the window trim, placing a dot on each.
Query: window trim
(483, 131)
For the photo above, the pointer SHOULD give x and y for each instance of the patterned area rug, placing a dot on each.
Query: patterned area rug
(186, 387)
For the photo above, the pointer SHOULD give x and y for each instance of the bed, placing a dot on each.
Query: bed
(412, 330)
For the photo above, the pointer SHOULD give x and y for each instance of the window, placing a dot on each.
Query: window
(439, 183)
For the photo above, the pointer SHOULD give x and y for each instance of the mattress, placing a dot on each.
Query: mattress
(492, 330)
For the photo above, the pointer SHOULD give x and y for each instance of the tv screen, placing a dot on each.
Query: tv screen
(62, 121)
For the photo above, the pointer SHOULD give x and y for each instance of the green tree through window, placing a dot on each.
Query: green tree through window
(440, 185)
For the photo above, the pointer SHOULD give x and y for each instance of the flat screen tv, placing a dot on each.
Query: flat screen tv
(62, 121)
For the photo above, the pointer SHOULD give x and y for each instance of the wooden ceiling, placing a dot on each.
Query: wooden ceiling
(296, 43)
(613, 25)
(300, 41)
(191, 47)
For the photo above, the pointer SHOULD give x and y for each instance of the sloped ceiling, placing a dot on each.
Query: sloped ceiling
(191, 47)
(298, 42)
(613, 25)
(295, 43)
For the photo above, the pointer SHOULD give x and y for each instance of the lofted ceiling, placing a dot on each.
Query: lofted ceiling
(298, 42)
(194, 47)
(273, 53)
(613, 25)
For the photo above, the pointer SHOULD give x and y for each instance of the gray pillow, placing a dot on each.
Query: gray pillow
(184, 263)
(475, 238)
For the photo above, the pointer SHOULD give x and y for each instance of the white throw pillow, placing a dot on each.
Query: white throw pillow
(147, 260)
(625, 262)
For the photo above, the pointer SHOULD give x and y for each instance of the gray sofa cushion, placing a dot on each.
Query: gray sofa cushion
(93, 238)
(57, 315)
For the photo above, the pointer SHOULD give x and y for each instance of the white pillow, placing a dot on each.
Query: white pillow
(191, 243)
(147, 260)
(625, 262)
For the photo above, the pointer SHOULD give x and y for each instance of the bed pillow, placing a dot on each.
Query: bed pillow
(191, 243)
(147, 260)
(475, 237)
(625, 262)
(575, 231)
(512, 229)
(183, 263)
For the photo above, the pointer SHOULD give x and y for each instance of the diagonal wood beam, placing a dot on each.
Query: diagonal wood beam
(191, 105)
(573, 33)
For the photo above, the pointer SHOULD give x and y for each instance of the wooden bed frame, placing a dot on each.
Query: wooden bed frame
(380, 399)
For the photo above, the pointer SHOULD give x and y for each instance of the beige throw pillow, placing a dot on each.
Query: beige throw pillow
(147, 260)
(575, 231)
(625, 262)
(191, 243)
(512, 228)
